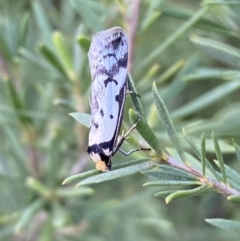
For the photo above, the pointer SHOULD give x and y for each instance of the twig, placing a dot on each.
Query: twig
(132, 26)
(3, 67)
(221, 187)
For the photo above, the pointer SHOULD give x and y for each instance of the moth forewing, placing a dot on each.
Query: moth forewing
(108, 58)
(120, 117)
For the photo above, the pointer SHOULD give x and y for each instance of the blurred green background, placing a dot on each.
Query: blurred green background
(189, 49)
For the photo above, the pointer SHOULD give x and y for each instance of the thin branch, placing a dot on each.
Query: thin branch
(221, 187)
(132, 26)
(33, 161)
(3, 67)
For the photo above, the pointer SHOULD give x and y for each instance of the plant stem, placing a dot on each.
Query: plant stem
(221, 187)
(132, 27)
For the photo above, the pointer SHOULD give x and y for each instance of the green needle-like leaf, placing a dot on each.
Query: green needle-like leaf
(38, 186)
(220, 51)
(234, 199)
(63, 53)
(177, 34)
(199, 155)
(145, 131)
(203, 154)
(219, 157)
(206, 74)
(237, 149)
(171, 183)
(84, 42)
(83, 118)
(172, 70)
(76, 177)
(224, 224)
(114, 174)
(90, 173)
(28, 214)
(231, 175)
(149, 20)
(164, 193)
(164, 172)
(42, 20)
(87, 13)
(186, 193)
(206, 99)
(51, 58)
(220, 2)
(167, 122)
(16, 101)
(135, 98)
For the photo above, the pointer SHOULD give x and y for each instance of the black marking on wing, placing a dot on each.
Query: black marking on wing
(96, 125)
(123, 62)
(111, 116)
(120, 63)
(110, 145)
(95, 148)
(117, 42)
(119, 98)
(101, 112)
(109, 80)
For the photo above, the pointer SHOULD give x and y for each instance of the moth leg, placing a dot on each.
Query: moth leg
(130, 92)
(134, 150)
(124, 137)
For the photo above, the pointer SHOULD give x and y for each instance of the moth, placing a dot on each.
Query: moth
(108, 60)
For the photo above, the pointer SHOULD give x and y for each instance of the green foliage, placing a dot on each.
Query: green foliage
(145, 131)
(185, 67)
(224, 224)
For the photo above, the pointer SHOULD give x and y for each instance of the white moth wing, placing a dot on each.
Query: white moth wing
(108, 66)
(108, 56)
(106, 110)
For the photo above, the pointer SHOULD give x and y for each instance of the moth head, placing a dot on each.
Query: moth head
(103, 162)
(101, 166)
